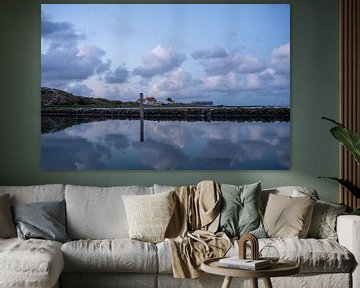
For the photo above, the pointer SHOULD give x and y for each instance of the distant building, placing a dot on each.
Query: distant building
(204, 103)
(149, 101)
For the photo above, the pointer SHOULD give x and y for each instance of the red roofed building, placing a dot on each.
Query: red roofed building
(150, 100)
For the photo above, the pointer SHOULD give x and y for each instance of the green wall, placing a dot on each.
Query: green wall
(314, 93)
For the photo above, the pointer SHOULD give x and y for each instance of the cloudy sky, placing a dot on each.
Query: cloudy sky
(229, 54)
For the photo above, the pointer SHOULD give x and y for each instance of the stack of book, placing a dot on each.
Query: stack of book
(248, 264)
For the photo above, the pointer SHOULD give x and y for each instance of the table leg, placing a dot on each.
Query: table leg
(267, 283)
(227, 282)
(254, 282)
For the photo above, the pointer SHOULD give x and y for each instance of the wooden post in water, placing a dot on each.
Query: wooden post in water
(141, 117)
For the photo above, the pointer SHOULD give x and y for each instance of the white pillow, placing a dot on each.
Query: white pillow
(149, 215)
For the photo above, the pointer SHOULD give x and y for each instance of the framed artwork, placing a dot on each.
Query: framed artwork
(165, 86)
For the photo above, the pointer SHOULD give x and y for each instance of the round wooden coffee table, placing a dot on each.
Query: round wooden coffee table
(281, 268)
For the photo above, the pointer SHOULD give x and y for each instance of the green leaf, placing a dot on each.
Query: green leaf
(347, 184)
(349, 139)
(355, 211)
(333, 121)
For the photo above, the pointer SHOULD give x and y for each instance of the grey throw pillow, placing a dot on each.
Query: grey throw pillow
(240, 213)
(44, 220)
(7, 226)
(323, 222)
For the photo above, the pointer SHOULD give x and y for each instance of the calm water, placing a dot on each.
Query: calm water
(168, 145)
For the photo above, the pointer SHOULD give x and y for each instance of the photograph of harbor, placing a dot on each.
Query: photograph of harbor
(165, 87)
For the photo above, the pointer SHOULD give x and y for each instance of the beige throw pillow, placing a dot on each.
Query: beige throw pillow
(7, 226)
(149, 215)
(288, 217)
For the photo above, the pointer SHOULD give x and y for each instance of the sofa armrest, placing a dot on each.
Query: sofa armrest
(348, 230)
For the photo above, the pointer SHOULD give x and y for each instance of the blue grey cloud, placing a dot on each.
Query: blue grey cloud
(218, 61)
(216, 52)
(117, 141)
(60, 33)
(71, 153)
(120, 75)
(160, 156)
(67, 59)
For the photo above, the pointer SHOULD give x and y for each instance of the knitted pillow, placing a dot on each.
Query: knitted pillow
(149, 215)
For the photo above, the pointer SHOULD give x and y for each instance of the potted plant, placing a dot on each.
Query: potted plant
(351, 141)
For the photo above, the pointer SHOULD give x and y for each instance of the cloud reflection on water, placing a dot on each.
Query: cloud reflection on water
(168, 145)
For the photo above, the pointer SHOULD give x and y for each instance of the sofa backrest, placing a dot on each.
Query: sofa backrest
(293, 191)
(98, 212)
(162, 188)
(35, 193)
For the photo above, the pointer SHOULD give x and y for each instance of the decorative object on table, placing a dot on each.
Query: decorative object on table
(247, 264)
(351, 142)
(241, 261)
(242, 267)
(269, 253)
(254, 246)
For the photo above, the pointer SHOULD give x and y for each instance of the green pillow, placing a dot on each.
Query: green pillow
(240, 212)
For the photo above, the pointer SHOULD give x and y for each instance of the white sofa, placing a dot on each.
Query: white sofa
(101, 255)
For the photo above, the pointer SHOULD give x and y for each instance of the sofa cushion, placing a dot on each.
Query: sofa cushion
(98, 213)
(163, 188)
(116, 255)
(313, 255)
(164, 257)
(43, 220)
(323, 222)
(291, 191)
(30, 263)
(149, 215)
(7, 226)
(36, 193)
(287, 216)
(240, 210)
